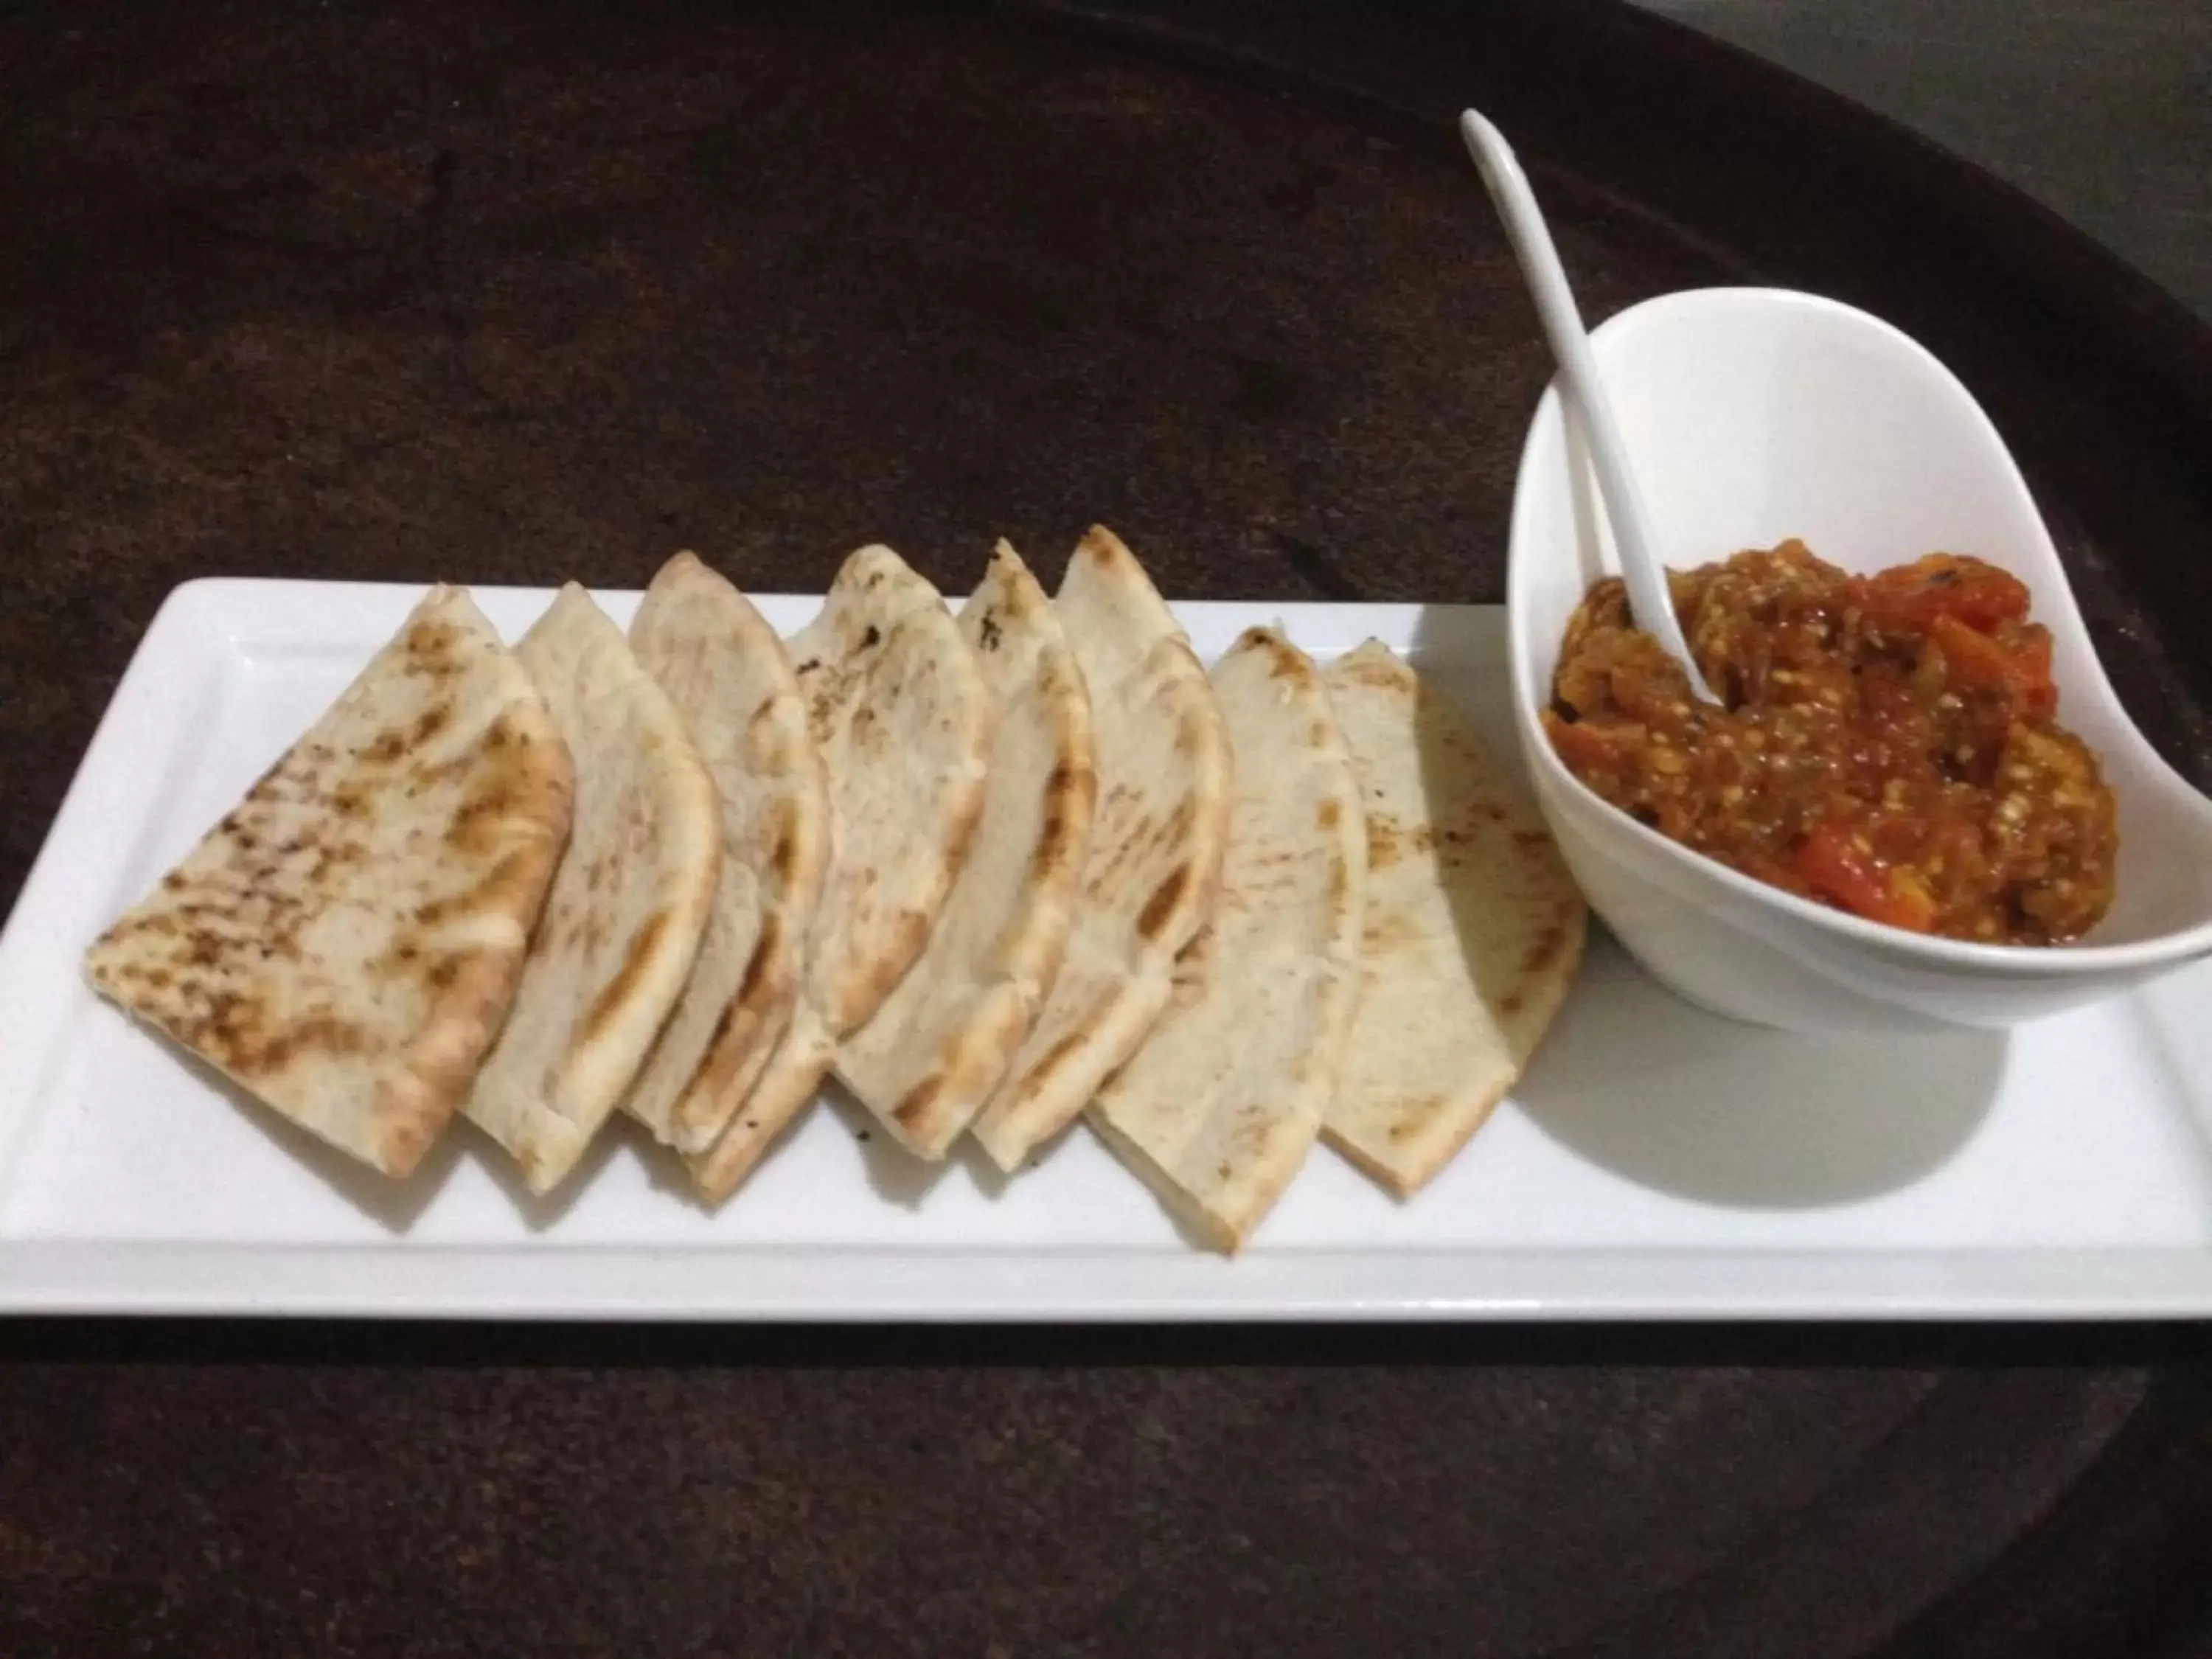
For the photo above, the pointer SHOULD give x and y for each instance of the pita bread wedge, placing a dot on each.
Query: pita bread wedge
(1220, 1107)
(729, 676)
(346, 941)
(628, 904)
(926, 1062)
(899, 712)
(1473, 929)
(1154, 867)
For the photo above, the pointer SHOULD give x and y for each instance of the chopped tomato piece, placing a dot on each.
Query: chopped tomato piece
(1943, 585)
(2021, 668)
(2031, 672)
(1833, 864)
(1976, 661)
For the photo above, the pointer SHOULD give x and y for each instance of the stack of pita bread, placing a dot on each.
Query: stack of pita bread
(996, 871)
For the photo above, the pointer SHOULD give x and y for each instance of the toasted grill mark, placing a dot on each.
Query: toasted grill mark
(910, 929)
(267, 781)
(1283, 660)
(239, 1036)
(1544, 949)
(750, 987)
(1166, 898)
(1125, 847)
(873, 638)
(1054, 1058)
(1388, 841)
(1384, 847)
(1411, 1114)
(340, 857)
(1102, 548)
(1328, 815)
(1512, 1002)
(478, 818)
(987, 630)
(429, 648)
(513, 876)
(1339, 886)
(422, 776)
(1061, 790)
(723, 1021)
(619, 989)
(318, 1033)
(919, 1099)
(784, 860)
(431, 721)
(1148, 836)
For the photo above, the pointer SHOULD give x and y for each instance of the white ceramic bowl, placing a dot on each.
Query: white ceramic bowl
(1752, 416)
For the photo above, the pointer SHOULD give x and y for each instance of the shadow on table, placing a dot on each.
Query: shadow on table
(897, 1175)
(1637, 1080)
(893, 1174)
(396, 1206)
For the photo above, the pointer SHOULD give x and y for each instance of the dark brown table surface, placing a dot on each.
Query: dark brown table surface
(2100, 108)
(494, 292)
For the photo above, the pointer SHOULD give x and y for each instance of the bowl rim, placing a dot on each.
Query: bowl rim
(2003, 961)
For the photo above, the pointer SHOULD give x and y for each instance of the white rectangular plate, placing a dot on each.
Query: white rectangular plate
(1656, 1163)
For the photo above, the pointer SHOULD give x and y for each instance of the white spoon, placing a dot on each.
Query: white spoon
(1641, 569)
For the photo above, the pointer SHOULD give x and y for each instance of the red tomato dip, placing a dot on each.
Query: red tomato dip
(1886, 744)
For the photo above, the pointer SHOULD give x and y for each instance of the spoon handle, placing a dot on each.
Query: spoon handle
(1640, 567)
